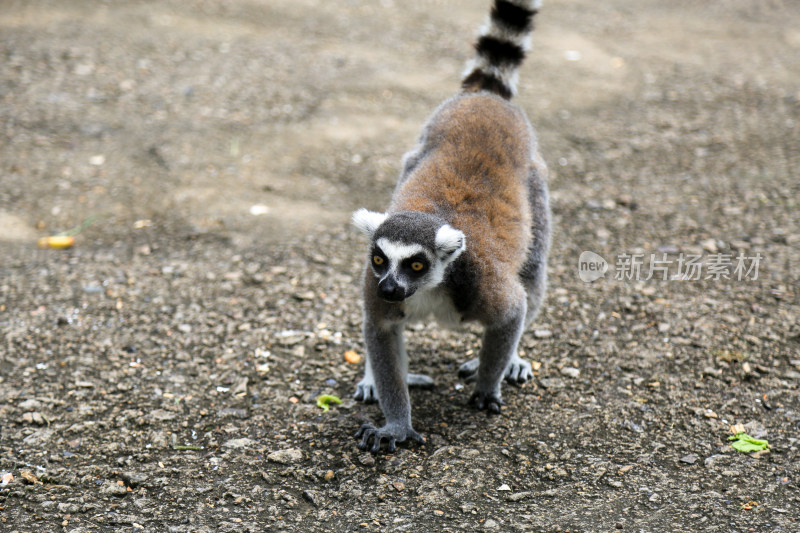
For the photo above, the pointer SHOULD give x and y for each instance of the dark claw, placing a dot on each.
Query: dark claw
(366, 431)
(490, 402)
(516, 380)
(518, 373)
(476, 401)
(369, 432)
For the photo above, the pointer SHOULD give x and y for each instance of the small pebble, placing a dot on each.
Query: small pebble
(570, 371)
(242, 443)
(285, 457)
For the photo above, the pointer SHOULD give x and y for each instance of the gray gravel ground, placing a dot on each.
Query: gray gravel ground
(162, 374)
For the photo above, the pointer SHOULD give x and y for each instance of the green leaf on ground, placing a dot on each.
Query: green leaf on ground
(326, 399)
(746, 444)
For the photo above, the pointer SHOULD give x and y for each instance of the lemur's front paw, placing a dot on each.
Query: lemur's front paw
(392, 435)
(365, 392)
(489, 401)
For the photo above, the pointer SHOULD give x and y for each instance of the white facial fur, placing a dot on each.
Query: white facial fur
(449, 245)
(396, 252)
(427, 300)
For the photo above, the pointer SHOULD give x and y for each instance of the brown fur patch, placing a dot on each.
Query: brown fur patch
(475, 177)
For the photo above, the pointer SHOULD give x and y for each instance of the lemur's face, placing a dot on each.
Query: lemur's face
(409, 251)
(403, 269)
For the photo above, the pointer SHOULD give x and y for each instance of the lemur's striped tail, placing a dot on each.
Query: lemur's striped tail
(501, 47)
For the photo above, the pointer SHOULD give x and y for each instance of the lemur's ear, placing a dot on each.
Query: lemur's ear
(450, 242)
(368, 221)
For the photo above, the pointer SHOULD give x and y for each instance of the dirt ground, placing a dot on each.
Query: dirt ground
(162, 374)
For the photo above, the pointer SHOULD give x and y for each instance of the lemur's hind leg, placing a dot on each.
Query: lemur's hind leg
(500, 344)
(534, 271)
(533, 274)
(518, 370)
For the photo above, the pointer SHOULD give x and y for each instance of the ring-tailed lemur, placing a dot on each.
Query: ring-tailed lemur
(466, 235)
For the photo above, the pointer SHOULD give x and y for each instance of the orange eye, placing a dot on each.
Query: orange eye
(416, 266)
(378, 260)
